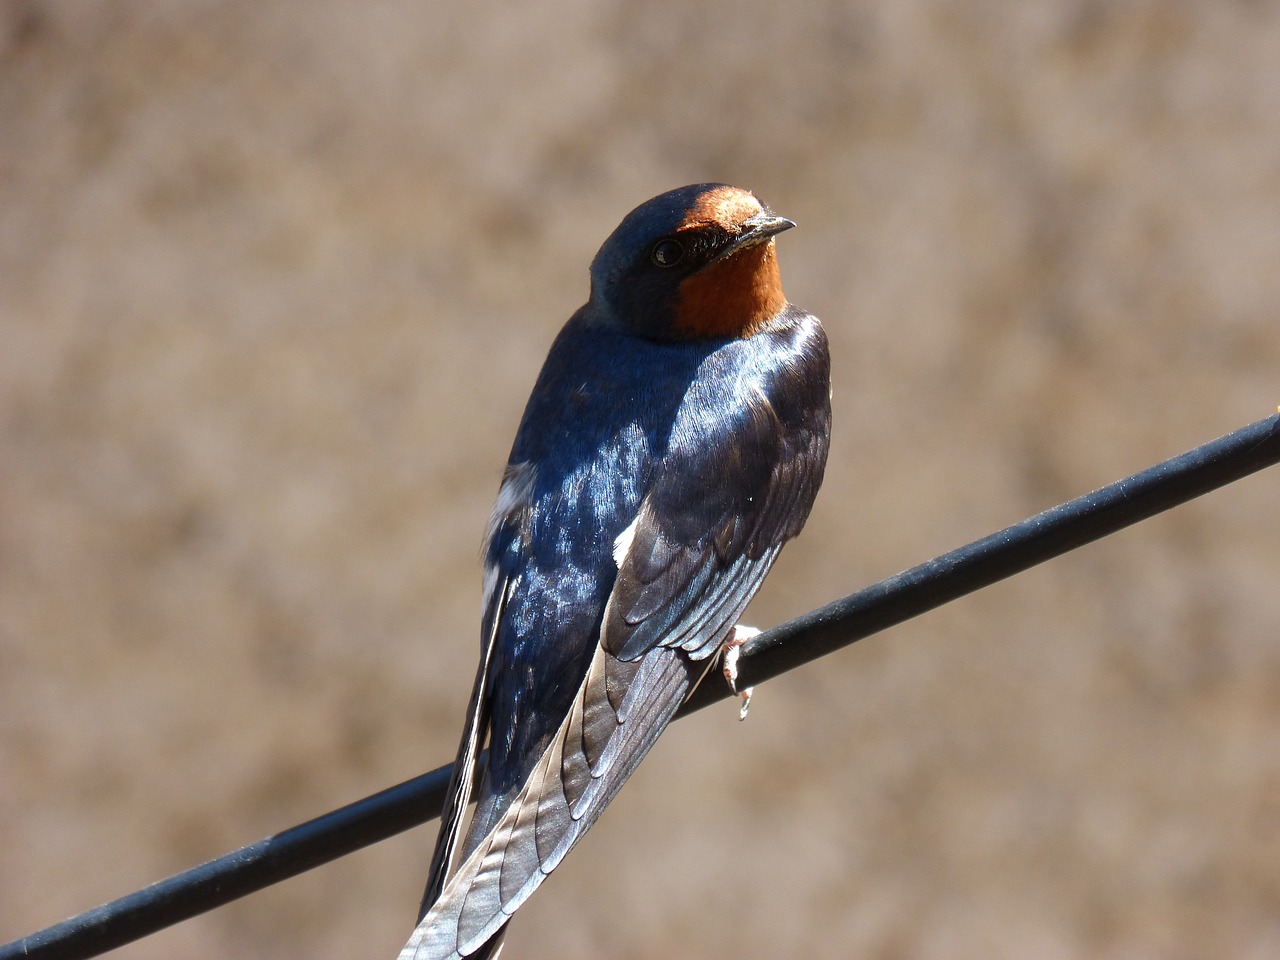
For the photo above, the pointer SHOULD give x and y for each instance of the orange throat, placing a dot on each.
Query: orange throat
(734, 297)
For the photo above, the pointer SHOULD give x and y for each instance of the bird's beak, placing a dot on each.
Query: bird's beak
(757, 229)
(763, 225)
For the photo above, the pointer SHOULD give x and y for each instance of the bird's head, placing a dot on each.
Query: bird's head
(693, 263)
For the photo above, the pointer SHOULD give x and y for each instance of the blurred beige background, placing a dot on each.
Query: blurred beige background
(275, 280)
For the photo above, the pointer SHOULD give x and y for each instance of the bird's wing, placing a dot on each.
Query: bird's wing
(510, 512)
(704, 537)
(701, 545)
(462, 781)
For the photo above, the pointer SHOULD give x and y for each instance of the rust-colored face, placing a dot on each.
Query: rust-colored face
(694, 263)
(739, 293)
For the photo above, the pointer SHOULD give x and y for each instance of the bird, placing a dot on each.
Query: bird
(674, 440)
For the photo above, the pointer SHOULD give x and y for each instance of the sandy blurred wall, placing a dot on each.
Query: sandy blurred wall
(275, 280)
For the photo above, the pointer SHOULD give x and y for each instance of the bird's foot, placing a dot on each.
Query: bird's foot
(729, 660)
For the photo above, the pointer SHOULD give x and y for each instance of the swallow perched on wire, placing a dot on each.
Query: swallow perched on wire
(674, 440)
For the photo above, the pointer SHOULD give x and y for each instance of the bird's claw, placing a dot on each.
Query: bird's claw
(729, 660)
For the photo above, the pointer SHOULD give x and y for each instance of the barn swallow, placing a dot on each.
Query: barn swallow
(674, 440)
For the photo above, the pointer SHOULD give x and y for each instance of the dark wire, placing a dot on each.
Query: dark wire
(774, 652)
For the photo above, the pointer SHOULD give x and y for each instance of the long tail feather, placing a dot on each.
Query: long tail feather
(621, 709)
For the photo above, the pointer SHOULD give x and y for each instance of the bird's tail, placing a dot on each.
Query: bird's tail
(618, 714)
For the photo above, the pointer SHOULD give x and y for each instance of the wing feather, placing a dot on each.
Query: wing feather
(690, 594)
(541, 824)
(462, 781)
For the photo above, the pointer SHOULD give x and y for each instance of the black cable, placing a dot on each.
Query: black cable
(774, 652)
(240, 873)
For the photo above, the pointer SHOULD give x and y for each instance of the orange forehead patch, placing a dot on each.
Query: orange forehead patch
(726, 207)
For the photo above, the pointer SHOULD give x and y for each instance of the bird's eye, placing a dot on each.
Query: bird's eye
(667, 253)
